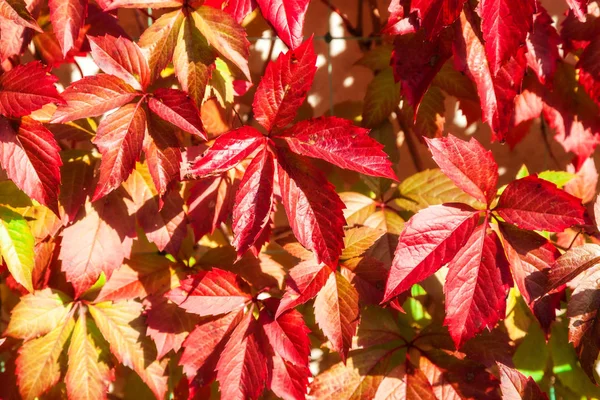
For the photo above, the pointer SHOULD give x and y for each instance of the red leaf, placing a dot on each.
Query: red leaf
(416, 61)
(407, 382)
(163, 155)
(120, 139)
(436, 15)
(242, 367)
(341, 143)
(530, 256)
(168, 326)
(336, 312)
(211, 292)
(430, 239)
(476, 286)
(204, 345)
(535, 204)
(93, 96)
(579, 8)
(99, 247)
(163, 223)
(210, 203)
(122, 58)
(30, 157)
(589, 71)
(496, 91)
(468, 164)
(254, 203)
(505, 25)
(515, 386)
(573, 263)
(287, 17)
(176, 107)
(27, 88)
(284, 86)
(227, 151)
(313, 208)
(67, 18)
(303, 283)
(287, 334)
(542, 46)
(287, 380)
(140, 276)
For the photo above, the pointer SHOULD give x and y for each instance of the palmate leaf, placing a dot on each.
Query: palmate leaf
(407, 382)
(177, 108)
(123, 328)
(303, 283)
(16, 247)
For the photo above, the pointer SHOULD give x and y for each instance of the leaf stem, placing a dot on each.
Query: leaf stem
(410, 143)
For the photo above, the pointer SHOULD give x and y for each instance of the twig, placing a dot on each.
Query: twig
(147, 14)
(544, 132)
(412, 146)
(375, 16)
(345, 20)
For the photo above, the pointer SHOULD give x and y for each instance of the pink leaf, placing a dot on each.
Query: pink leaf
(468, 164)
(211, 292)
(254, 204)
(27, 88)
(341, 143)
(122, 58)
(287, 380)
(579, 8)
(227, 151)
(93, 96)
(476, 286)
(67, 18)
(430, 239)
(516, 386)
(30, 156)
(336, 312)
(542, 46)
(284, 86)
(287, 17)
(535, 204)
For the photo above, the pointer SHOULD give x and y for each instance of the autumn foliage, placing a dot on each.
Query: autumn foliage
(175, 226)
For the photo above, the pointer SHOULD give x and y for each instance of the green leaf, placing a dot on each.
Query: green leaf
(531, 357)
(382, 97)
(16, 246)
(222, 83)
(431, 187)
(559, 178)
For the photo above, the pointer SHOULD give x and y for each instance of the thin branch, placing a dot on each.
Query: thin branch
(408, 138)
(345, 20)
(547, 145)
(375, 16)
(147, 14)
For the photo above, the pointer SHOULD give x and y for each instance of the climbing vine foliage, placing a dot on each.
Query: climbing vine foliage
(179, 224)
